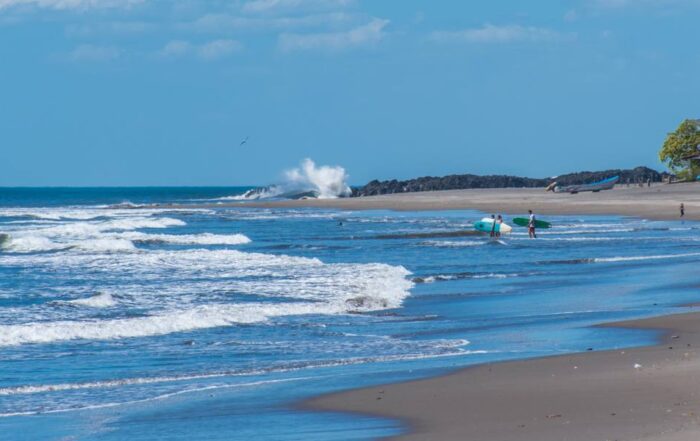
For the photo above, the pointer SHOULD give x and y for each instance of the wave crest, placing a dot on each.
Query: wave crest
(306, 181)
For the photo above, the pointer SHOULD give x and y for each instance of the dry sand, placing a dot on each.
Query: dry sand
(649, 393)
(657, 202)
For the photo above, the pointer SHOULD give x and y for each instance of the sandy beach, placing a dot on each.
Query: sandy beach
(659, 201)
(647, 393)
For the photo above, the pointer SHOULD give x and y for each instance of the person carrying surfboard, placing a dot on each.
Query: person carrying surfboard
(499, 221)
(531, 226)
(493, 225)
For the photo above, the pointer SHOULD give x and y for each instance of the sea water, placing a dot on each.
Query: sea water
(121, 319)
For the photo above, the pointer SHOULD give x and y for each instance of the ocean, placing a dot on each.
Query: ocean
(121, 318)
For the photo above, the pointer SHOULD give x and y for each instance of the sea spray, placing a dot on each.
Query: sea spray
(328, 182)
(307, 180)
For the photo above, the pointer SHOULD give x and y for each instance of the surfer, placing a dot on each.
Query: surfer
(493, 225)
(682, 210)
(531, 226)
(499, 221)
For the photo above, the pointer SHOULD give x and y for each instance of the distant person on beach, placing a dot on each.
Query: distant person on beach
(493, 225)
(531, 226)
(682, 210)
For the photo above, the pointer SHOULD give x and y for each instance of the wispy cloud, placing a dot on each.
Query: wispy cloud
(89, 52)
(266, 6)
(496, 34)
(110, 28)
(365, 35)
(221, 23)
(70, 4)
(216, 49)
(210, 51)
(621, 4)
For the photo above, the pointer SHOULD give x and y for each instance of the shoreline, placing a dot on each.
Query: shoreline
(658, 202)
(647, 393)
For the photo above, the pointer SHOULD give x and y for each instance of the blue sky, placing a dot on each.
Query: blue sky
(150, 92)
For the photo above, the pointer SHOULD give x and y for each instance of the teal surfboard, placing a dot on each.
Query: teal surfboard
(524, 222)
(486, 226)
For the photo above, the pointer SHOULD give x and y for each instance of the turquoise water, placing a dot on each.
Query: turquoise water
(150, 323)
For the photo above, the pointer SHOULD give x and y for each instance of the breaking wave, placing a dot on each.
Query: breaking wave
(114, 235)
(311, 287)
(191, 239)
(101, 300)
(306, 181)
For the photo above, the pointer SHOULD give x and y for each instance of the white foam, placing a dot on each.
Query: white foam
(86, 213)
(636, 258)
(191, 239)
(28, 244)
(454, 243)
(101, 300)
(317, 288)
(448, 277)
(548, 238)
(105, 245)
(256, 193)
(93, 236)
(143, 400)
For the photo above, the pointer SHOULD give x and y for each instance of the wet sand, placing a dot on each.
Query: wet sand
(648, 393)
(656, 202)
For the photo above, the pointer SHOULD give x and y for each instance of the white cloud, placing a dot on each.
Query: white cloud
(496, 34)
(70, 4)
(176, 49)
(368, 34)
(212, 50)
(89, 52)
(218, 49)
(258, 6)
(226, 23)
(121, 28)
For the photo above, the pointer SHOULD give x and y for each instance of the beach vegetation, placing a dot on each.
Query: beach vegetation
(681, 150)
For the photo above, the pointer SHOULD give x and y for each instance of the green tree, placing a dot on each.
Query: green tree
(681, 144)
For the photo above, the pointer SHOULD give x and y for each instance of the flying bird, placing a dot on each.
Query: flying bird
(244, 141)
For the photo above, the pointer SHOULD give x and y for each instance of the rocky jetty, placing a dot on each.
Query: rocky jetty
(459, 182)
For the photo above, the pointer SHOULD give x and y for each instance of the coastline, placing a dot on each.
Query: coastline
(647, 393)
(659, 202)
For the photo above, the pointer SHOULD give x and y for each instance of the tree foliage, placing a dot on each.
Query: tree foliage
(680, 144)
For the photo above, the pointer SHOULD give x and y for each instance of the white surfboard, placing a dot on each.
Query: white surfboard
(503, 228)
